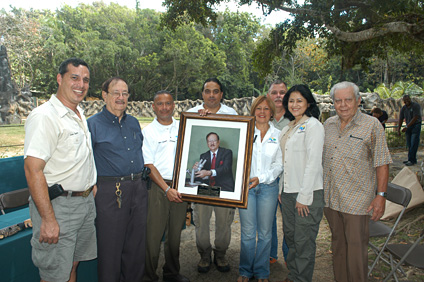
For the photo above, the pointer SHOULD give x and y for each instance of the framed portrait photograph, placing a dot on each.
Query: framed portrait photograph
(212, 163)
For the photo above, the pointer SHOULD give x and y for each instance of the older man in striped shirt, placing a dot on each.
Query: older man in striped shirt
(356, 169)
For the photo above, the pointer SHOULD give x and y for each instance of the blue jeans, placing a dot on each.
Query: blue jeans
(412, 135)
(257, 218)
(274, 240)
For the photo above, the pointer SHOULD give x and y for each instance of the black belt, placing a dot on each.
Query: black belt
(132, 177)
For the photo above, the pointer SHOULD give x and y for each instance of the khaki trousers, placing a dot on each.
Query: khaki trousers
(223, 219)
(163, 218)
(349, 243)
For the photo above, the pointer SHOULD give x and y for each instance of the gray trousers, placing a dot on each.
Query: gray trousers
(301, 233)
(163, 217)
(223, 219)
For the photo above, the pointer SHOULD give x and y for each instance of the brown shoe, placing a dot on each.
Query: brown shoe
(204, 265)
(221, 264)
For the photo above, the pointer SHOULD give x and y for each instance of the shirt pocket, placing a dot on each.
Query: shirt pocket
(73, 140)
(357, 148)
(271, 149)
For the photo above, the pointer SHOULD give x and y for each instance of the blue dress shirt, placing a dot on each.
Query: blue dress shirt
(116, 145)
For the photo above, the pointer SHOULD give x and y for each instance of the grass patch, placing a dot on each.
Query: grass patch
(11, 140)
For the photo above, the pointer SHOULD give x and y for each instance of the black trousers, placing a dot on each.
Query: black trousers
(121, 232)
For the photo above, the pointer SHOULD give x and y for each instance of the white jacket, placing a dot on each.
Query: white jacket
(266, 156)
(303, 160)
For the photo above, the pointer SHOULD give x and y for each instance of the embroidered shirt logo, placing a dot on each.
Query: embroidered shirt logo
(272, 140)
(302, 128)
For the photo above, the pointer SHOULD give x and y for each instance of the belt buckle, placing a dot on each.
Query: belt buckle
(87, 192)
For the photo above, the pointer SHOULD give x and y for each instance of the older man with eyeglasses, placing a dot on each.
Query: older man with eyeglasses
(121, 196)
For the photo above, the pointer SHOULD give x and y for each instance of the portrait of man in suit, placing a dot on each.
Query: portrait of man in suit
(217, 170)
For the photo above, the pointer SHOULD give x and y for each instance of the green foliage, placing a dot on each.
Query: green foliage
(117, 41)
(399, 89)
(236, 48)
(354, 30)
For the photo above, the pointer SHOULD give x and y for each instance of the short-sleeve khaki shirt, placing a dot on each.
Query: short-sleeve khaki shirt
(350, 159)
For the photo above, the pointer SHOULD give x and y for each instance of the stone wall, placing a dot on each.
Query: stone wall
(242, 105)
(144, 108)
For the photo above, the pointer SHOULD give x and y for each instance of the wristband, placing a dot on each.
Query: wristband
(166, 191)
(383, 194)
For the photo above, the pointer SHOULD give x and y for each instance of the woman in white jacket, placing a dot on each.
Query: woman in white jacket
(302, 199)
(263, 195)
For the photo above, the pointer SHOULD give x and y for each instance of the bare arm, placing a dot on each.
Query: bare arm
(172, 194)
(49, 229)
(399, 125)
(378, 205)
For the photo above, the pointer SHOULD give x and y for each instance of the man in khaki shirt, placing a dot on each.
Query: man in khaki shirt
(356, 170)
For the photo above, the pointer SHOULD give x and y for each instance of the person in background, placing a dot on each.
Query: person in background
(58, 152)
(257, 219)
(411, 113)
(380, 115)
(166, 211)
(121, 198)
(276, 92)
(302, 199)
(356, 171)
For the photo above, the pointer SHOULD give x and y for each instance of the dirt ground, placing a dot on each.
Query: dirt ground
(323, 264)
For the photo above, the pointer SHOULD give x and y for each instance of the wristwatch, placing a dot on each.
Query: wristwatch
(383, 194)
(167, 189)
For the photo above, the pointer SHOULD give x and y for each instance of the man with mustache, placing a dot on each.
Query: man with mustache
(166, 211)
(121, 198)
(276, 93)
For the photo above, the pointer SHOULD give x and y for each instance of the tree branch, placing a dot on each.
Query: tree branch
(416, 30)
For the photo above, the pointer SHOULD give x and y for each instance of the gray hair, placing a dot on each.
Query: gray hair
(344, 85)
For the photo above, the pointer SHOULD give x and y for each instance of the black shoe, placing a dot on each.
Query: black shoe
(405, 162)
(221, 264)
(176, 278)
(204, 265)
(408, 163)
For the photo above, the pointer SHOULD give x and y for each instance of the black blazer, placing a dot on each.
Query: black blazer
(223, 167)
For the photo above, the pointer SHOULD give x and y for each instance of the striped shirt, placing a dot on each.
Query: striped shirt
(350, 159)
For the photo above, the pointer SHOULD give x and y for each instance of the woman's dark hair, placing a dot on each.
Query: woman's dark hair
(311, 111)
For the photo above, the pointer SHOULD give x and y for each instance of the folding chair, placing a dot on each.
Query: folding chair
(411, 254)
(398, 195)
(14, 199)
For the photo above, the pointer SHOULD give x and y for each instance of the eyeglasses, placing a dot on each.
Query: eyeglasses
(118, 94)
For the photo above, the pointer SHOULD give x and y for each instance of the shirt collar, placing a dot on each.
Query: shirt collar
(111, 117)
(302, 120)
(61, 108)
(356, 118)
